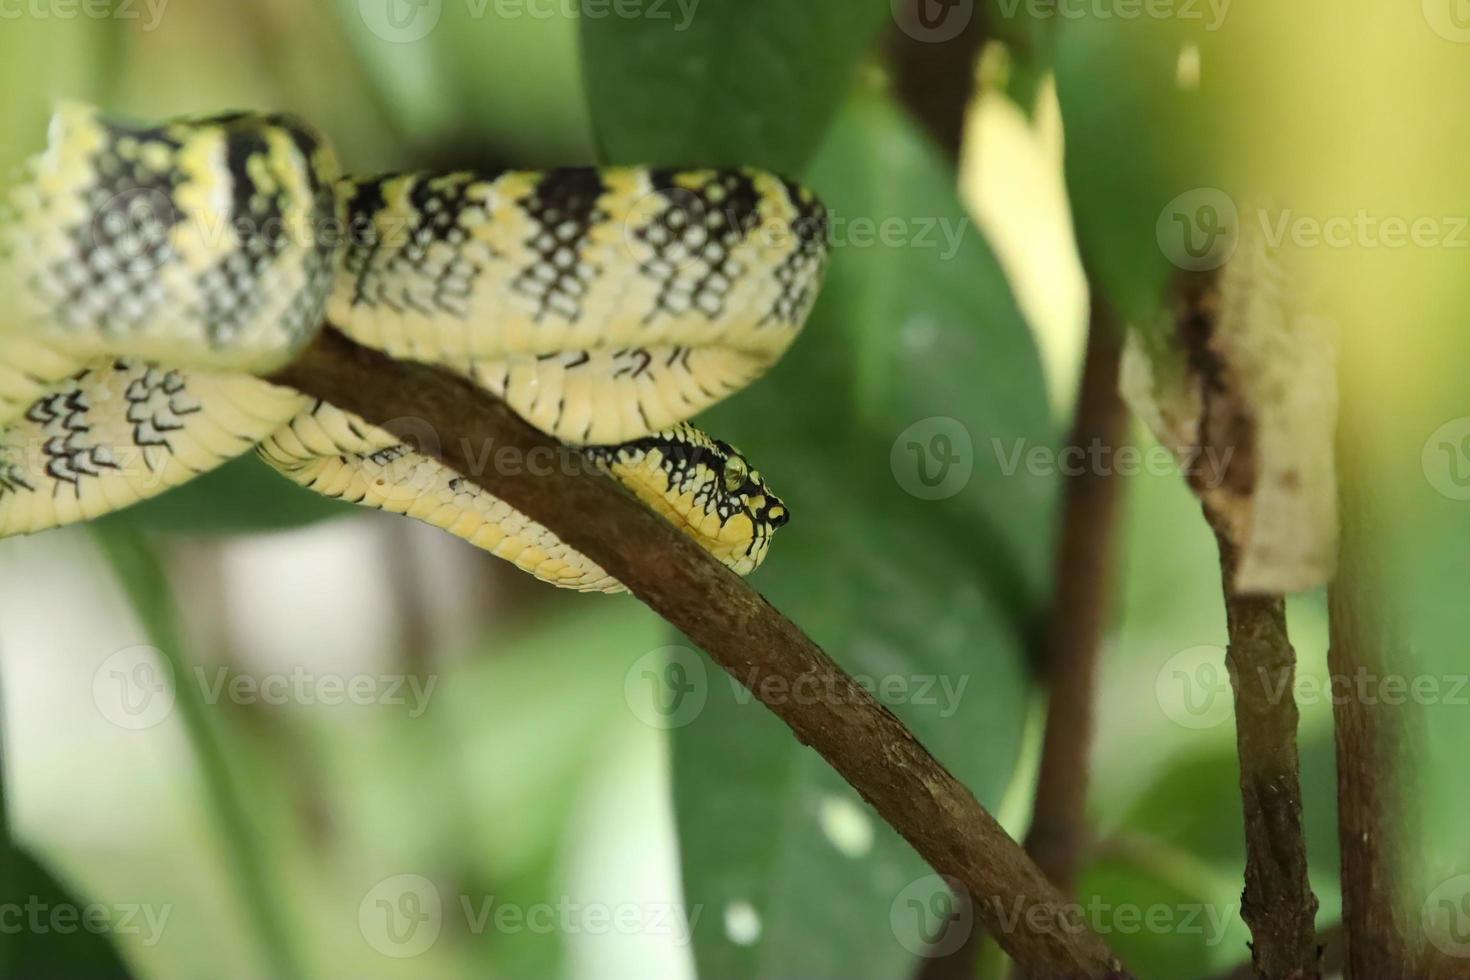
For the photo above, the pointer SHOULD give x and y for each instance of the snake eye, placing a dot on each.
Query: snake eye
(735, 474)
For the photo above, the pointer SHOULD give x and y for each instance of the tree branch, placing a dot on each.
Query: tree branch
(1329, 940)
(1278, 903)
(1375, 741)
(1084, 578)
(740, 631)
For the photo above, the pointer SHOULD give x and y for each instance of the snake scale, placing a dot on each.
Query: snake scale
(152, 276)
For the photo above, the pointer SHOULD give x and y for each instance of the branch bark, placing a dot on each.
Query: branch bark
(1278, 903)
(1084, 573)
(1329, 940)
(1376, 757)
(740, 631)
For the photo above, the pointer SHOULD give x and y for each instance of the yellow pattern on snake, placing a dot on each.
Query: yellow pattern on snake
(149, 274)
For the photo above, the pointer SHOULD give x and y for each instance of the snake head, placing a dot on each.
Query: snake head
(705, 487)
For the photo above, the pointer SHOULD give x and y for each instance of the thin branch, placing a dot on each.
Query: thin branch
(742, 632)
(1376, 743)
(1329, 941)
(936, 80)
(1084, 579)
(1278, 903)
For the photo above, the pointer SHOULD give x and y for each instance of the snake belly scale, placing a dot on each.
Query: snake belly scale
(151, 275)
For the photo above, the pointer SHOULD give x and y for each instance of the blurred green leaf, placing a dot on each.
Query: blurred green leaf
(479, 84)
(928, 602)
(1140, 133)
(243, 496)
(143, 578)
(42, 60)
(722, 82)
(54, 946)
(32, 947)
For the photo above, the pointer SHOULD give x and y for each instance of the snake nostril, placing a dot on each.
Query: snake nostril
(778, 516)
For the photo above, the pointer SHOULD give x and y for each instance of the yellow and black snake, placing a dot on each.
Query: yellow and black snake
(149, 275)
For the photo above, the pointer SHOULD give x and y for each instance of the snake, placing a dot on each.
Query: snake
(153, 276)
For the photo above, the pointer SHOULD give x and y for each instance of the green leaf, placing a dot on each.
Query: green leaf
(26, 951)
(143, 578)
(722, 82)
(243, 496)
(929, 602)
(1139, 139)
(477, 84)
(65, 950)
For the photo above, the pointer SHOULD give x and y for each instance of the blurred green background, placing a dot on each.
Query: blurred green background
(518, 790)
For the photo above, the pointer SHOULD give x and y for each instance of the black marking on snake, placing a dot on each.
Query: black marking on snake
(119, 250)
(563, 207)
(639, 366)
(707, 224)
(436, 206)
(13, 478)
(153, 422)
(799, 274)
(363, 239)
(232, 286)
(63, 416)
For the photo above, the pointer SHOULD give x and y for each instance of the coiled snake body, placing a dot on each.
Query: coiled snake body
(151, 275)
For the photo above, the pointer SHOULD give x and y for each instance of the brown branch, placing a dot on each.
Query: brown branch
(1377, 743)
(1278, 903)
(743, 633)
(1084, 580)
(1329, 941)
(936, 81)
